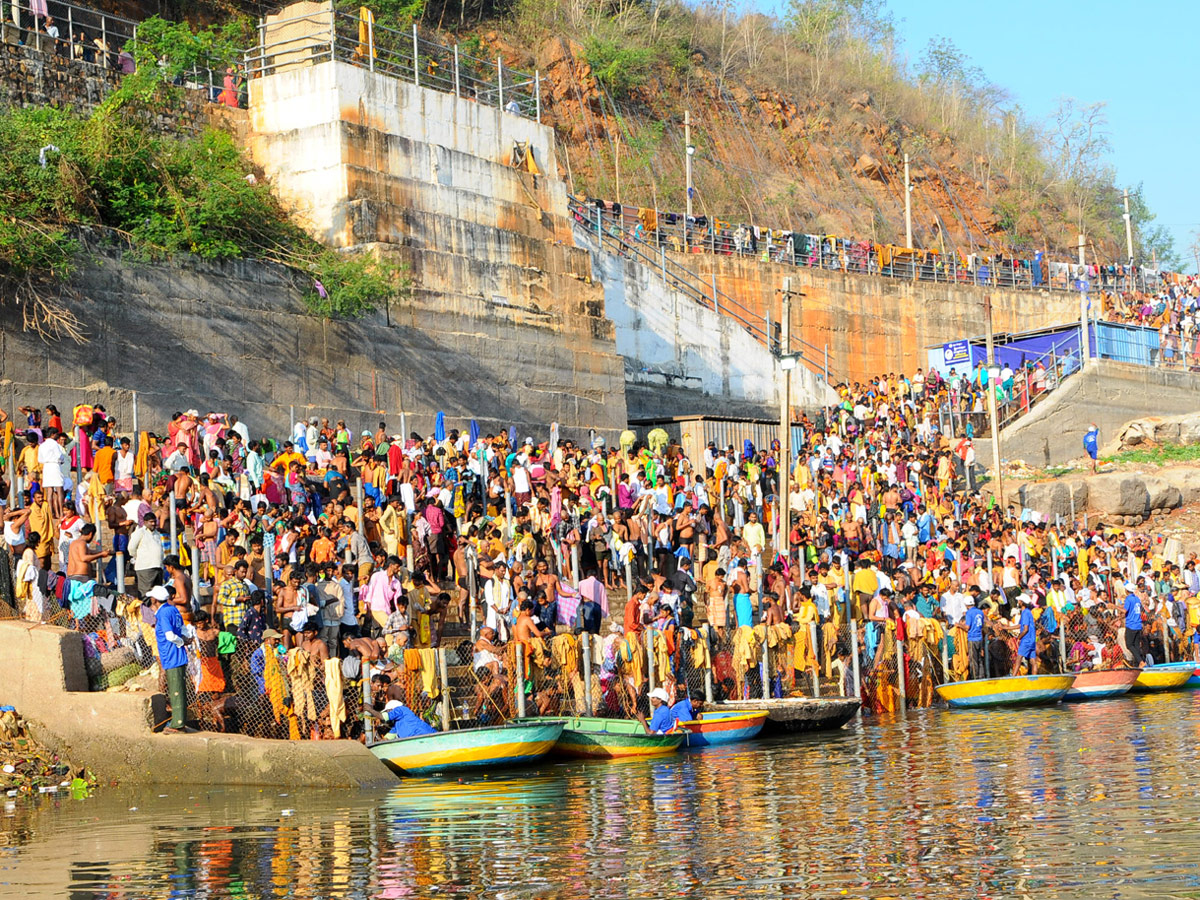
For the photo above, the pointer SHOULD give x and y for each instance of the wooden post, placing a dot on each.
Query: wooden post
(444, 674)
(854, 659)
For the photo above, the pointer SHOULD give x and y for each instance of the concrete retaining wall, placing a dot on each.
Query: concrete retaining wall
(876, 325)
(683, 358)
(1106, 393)
(110, 733)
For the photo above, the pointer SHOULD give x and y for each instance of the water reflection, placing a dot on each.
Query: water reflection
(1078, 801)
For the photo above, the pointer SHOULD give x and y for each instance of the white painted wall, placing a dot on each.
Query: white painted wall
(660, 330)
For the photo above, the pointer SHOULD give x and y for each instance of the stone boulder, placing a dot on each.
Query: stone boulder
(860, 102)
(867, 166)
(1118, 495)
(1184, 429)
(1053, 498)
(1162, 494)
(1187, 481)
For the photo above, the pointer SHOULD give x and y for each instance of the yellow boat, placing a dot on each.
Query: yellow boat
(1015, 690)
(1167, 677)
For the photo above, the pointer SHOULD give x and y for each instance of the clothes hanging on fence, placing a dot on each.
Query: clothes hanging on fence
(301, 673)
(649, 218)
(334, 690)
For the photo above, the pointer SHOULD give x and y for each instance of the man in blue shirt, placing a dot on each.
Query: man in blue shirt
(683, 711)
(1049, 626)
(973, 624)
(168, 634)
(662, 719)
(1133, 623)
(402, 721)
(1027, 641)
(1091, 442)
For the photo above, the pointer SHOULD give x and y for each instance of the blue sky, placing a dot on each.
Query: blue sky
(1138, 57)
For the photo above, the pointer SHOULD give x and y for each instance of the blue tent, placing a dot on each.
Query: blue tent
(439, 426)
(474, 434)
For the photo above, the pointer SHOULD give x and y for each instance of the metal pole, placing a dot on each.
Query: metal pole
(444, 673)
(945, 658)
(371, 42)
(508, 509)
(368, 722)
(500, 82)
(78, 459)
(472, 590)
(137, 438)
(708, 682)
(765, 670)
(785, 428)
(649, 633)
(586, 638)
(196, 570)
(174, 524)
(575, 565)
(994, 422)
(99, 523)
(537, 94)
(520, 686)
(416, 58)
(854, 658)
(1128, 231)
(900, 674)
(688, 150)
(120, 558)
(629, 574)
(292, 417)
(1062, 644)
(816, 674)
(908, 241)
(358, 499)
(1166, 642)
(457, 86)
(716, 304)
(408, 535)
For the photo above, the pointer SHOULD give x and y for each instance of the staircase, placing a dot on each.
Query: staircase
(675, 276)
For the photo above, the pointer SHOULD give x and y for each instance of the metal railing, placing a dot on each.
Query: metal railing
(830, 253)
(680, 278)
(100, 40)
(342, 36)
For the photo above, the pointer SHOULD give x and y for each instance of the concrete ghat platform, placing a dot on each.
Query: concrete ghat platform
(110, 733)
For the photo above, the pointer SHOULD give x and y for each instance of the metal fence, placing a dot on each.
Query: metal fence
(101, 41)
(405, 55)
(664, 230)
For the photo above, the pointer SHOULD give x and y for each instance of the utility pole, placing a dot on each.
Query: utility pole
(908, 242)
(993, 419)
(1081, 243)
(688, 152)
(786, 363)
(1128, 231)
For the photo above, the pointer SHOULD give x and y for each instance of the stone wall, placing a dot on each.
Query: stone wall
(1106, 393)
(31, 77)
(236, 337)
(875, 325)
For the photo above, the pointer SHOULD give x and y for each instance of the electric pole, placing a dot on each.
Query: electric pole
(908, 242)
(1128, 231)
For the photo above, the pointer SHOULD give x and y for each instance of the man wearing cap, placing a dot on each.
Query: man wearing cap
(662, 719)
(146, 551)
(170, 639)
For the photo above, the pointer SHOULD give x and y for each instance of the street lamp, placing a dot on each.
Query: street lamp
(789, 361)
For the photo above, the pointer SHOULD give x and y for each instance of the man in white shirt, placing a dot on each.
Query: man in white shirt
(146, 553)
(51, 457)
(497, 598)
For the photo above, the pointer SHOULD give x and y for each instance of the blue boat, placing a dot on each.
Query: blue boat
(712, 728)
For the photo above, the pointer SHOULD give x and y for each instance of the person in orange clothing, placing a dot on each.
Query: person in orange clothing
(633, 610)
(324, 549)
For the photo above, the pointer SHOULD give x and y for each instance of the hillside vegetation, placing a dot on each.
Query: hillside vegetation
(801, 120)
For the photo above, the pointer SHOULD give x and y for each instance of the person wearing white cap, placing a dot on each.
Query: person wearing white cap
(171, 640)
(661, 718)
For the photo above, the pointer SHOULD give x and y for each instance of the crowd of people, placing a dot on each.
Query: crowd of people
(1173, 310)
(264, 575)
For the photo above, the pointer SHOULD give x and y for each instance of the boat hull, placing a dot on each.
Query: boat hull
(585, 737)
(1015, 690)
(470, 748)
(1169, 677)
(714, 729)
(1102, 684)
(796, 715)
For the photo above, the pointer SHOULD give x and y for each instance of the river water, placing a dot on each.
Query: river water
(1091, 800)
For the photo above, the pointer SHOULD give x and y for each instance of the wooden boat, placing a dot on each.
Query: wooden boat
(470, 748)
(1014, 690)
(712, 728)
(590, 737)
(1165, 677)
(793, 715)
(1100, 684)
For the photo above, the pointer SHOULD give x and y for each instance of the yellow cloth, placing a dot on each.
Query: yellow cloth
(430, 683)
(745, 649)
(301, 674)
(333, 690)
(804, 656)
(701, 654)
(273, 679)
(960, 662)
(366, 37)
(633, 655)
(662, 657)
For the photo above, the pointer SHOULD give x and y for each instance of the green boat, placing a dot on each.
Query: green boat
(588, 737)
